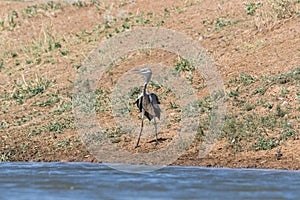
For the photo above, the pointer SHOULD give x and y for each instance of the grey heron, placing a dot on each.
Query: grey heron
(147, 103)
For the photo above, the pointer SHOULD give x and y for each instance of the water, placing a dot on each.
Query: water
(95, 181)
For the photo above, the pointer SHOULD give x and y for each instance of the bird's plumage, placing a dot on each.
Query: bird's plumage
(150, 111)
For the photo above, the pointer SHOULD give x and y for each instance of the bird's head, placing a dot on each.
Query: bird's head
(145, 72)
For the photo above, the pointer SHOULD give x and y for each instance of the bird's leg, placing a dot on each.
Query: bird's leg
(142, 125)
(155, 127)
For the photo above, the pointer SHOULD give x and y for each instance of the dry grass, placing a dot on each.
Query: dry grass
(273, 12)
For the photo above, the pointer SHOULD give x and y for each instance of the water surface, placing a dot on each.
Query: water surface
(97, 181)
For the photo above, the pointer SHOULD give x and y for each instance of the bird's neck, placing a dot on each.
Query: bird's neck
(148, 78)
(144, 89)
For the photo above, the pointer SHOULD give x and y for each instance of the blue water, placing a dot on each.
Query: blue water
(96, 181)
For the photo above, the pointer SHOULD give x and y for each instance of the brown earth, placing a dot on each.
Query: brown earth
(49, 41)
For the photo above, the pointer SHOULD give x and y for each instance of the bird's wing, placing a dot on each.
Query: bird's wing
(154, 98)
(139, 104)
(154, 101)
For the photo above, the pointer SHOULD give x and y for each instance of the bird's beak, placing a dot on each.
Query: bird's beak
(136, 71)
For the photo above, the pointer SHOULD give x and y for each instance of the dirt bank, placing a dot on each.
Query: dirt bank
(254, 46)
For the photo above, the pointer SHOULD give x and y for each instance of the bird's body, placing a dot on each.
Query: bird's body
(148, 103)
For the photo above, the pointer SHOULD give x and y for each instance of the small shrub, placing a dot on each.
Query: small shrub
(183, 65)
(265, 144)
(251, 7)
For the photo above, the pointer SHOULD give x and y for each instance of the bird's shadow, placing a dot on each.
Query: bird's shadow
(159, 140)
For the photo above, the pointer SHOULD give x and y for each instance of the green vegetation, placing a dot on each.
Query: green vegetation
(23, 90)
(260, 125)
(102, 101)
(251, 7)
(220, 23)
(183, 65)
(114, 134)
